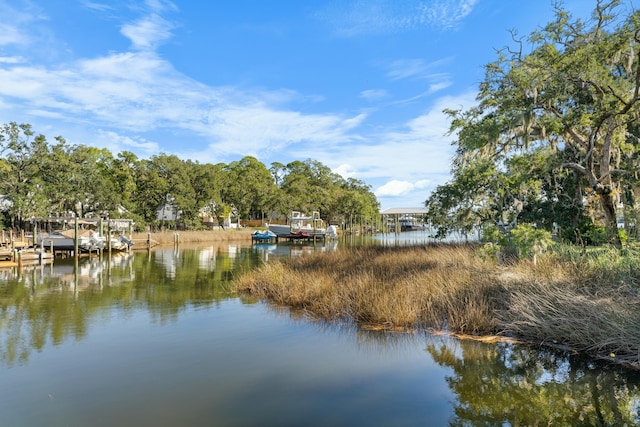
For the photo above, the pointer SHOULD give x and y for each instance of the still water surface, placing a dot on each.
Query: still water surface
(157, 339)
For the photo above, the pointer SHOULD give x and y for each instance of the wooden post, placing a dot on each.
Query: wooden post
(35, 234)
(75, 238)
(108, 236)
(130, 236)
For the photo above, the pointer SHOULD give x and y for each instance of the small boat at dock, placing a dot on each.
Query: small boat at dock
(301, 226)
(263, 236)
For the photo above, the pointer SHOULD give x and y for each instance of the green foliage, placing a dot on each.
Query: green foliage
(596, 235)
(556, 115)
(59, 179)
(311, 186)
(530, 240)
(249, 187)
(523, 242)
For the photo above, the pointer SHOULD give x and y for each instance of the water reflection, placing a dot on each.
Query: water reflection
(242, 348)
(293, 249)
(59, 301)
(508, 384)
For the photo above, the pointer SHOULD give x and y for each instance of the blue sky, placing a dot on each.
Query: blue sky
(358, 85)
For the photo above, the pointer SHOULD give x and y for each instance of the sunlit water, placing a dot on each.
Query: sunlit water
(157, 339)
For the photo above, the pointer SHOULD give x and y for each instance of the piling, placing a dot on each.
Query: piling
(75, 239)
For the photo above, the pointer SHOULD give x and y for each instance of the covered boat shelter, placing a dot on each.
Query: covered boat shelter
(403, 218)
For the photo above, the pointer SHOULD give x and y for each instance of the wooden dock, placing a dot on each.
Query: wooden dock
(18, 258)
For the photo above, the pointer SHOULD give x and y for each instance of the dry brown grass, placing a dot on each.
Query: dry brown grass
(402, 287)
(573, 304)
(586, 306)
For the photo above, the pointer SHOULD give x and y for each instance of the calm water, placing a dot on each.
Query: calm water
(157, 339)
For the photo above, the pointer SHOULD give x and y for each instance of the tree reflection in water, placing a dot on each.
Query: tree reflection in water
(517, 385)
(55, 303)
(494, 384)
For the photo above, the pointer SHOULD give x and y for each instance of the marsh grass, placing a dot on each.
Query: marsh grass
(400, 287)
(568, 299)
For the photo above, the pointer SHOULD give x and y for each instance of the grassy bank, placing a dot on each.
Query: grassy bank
(585, 302)
(167, 237)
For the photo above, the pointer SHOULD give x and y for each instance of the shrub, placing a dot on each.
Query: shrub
(524, 241)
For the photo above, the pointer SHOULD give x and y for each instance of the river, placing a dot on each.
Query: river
(156, 338)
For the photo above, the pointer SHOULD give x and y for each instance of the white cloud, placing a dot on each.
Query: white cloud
(417, 68)
(117, 143)
(359, 17)
(100, 7)
(401, 165)
(10, 34)
(404, 68)
(345, 170)
(258, 129)
(436, 87)
(126, 100)
(12, 59)
(18, 25)
(161, 5)
(446, 13)
(374, 94)
(353, 122)
(400, 188)
(148, 32)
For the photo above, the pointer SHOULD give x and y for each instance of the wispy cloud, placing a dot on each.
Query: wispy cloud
(118, 143)
(374, 94)
(10, 34)
(100, 7)
(417, 156)
(259, 129)
(447, 13)
(420, 70)
(361, 17)
(140, 92)
(417, 68)
(16, 27)
(148, 32)
(12, 59)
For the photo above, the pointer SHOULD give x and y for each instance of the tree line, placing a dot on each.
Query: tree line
(554, 137)
(42, 179)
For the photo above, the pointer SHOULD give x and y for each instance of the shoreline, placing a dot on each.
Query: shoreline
(168, 237)
(586, 305)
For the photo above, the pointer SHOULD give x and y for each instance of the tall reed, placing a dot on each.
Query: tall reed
(583, 301)
(396, 287)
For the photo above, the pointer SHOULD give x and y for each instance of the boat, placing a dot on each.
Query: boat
(88, 240)
(406, 223)
(302, 234)
(300, 226)
(119, 243)
(263, 236)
